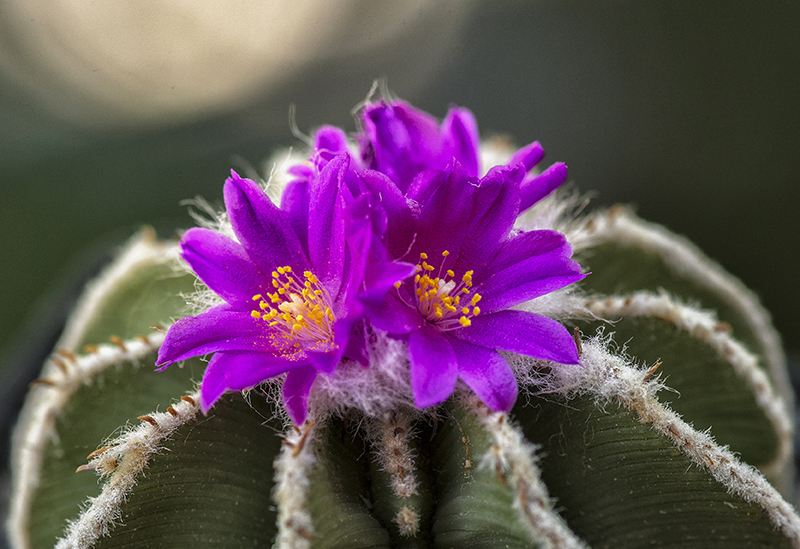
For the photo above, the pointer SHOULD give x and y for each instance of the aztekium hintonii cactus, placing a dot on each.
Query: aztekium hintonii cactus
(403, 351)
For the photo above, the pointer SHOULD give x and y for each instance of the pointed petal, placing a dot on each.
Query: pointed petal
(487, 373)
(404, 140)
(442, 221)
(294, 202)
(521, 332)
(461, 140)
(394, 316)
(326, 234)
(236, 371)
(381, 278)
(358, 235)
(217, 329)
(527, 266)
(400, 229)
(223, 266)
(495, 209)
(423, 186)
(528, 156)
(326, 361)
(536, 188)
(434, 370)
(262, 229)
(296, 388)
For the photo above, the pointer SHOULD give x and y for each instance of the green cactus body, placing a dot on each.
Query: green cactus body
(598, 456)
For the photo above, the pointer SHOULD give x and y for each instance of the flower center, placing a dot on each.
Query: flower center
(299, 309)
(442, 299)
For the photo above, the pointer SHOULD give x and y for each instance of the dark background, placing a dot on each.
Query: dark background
(688, 110)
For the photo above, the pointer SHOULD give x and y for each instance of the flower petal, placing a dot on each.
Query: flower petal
(400, 229)
(487, 373)
(528, 156)
(294, 202)
(380, 278)
(217, 329)
(404, 141)
(527, 266)
(236, 371)
(394, 316)
(434, 370)
(521, 332)
(326, 234)
(535, 188)
(358, 234)
(461, 139)
(262, 228)
(296, 388)
(223, 266)
(495, 208)
(446, 214)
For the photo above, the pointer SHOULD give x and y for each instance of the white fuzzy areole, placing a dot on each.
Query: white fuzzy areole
(512, 457)
(612, 378)
(65, 372)
(705, 326)
(621, 226)
(36, 427)
(123, 461)
(292, 481)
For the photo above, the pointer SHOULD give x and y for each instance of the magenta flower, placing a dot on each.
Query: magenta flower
(401, 142)
(472, 267)
(289, 287)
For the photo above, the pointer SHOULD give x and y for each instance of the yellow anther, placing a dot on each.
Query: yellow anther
(264, 306)
(275, 283)
(427, 267)
(287, 269)
(445, 253)
(423, 255)
(398, 283)
(255, 314)
(476, 298)
(450, 273)
(296, 328)
(275, 274)
(476, 311)
(464, 321)
(281, 290)
(465, 310)
(438, 312)
(256, 297)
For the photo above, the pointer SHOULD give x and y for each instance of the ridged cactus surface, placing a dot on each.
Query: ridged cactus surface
(670, 429)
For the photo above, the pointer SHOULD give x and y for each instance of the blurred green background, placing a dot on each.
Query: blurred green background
(688, 110)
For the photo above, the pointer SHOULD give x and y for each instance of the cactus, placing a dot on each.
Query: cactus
(657, 415)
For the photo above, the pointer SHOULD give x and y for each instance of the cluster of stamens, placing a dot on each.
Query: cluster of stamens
(299, 309)
(441, 298)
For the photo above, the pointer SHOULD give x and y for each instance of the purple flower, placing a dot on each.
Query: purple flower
(472, 267)
(401, 142)
(289, 287)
